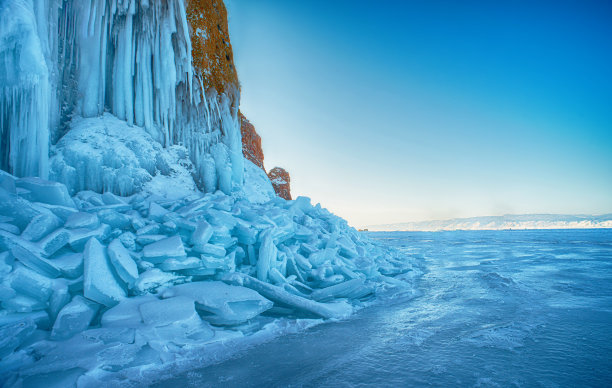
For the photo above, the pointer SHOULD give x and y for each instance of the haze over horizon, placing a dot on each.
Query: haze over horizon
(413, 111)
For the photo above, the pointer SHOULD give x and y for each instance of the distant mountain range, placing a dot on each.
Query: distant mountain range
(508, 221)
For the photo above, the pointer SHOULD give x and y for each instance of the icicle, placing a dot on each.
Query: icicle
(24, 97)
(129, 57)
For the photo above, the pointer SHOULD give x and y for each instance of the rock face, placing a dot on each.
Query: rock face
(281, 182)
(251, 149)
(211, 47)
(251, 142)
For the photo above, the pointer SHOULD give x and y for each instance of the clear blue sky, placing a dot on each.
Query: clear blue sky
(389, 111)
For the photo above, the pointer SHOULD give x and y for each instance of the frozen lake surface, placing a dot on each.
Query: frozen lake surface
(495, 308)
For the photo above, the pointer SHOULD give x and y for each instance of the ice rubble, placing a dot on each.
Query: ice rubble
(165, 277)
(66, 64)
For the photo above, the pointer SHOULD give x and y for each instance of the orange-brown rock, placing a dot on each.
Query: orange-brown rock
(281, 182)
(211, 48)
(251, 142)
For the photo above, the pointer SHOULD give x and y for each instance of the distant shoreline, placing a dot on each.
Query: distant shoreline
(504, 222)
(486, 230)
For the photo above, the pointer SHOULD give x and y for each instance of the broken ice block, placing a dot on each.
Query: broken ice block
(352, 289)
(54, 242)
(320, 257)
(40, 318)
(23, 304)
(267, 255)
(302, 203)
(115, 219)
(111, 199)
(74, 318)
(71, 264)
(157, 212)
(149, 238)
(222, 236)
(164, 312)
(279, 295)
(152, 279)
(221, 218)
(63, 212)
(79, 237)
(246, 235)
(202, 271)
(14, 334)
(99, 282)
(148, 229)
(302, 233)
(251, 254)
(6, 292)
(82, 220)
(169, 227)
(40, 226)
(276, 277)
(185, 224)
(59, 298)
(20, 210)
(177, 264)
(202, 233)
(221, 303)
(31, 256)
(9, 228)
(209, 249)
(40, 190)
(126, 313)
(122, 262)
(347, 247)
(171, 247)
(30, 283)
(6, 263)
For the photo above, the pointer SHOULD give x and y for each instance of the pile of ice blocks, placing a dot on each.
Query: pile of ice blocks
(134, 280)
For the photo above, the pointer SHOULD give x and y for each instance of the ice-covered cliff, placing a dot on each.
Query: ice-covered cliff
(134, 235)
(67, 59)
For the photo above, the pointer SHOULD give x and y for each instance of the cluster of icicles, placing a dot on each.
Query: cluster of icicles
(132, 58)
